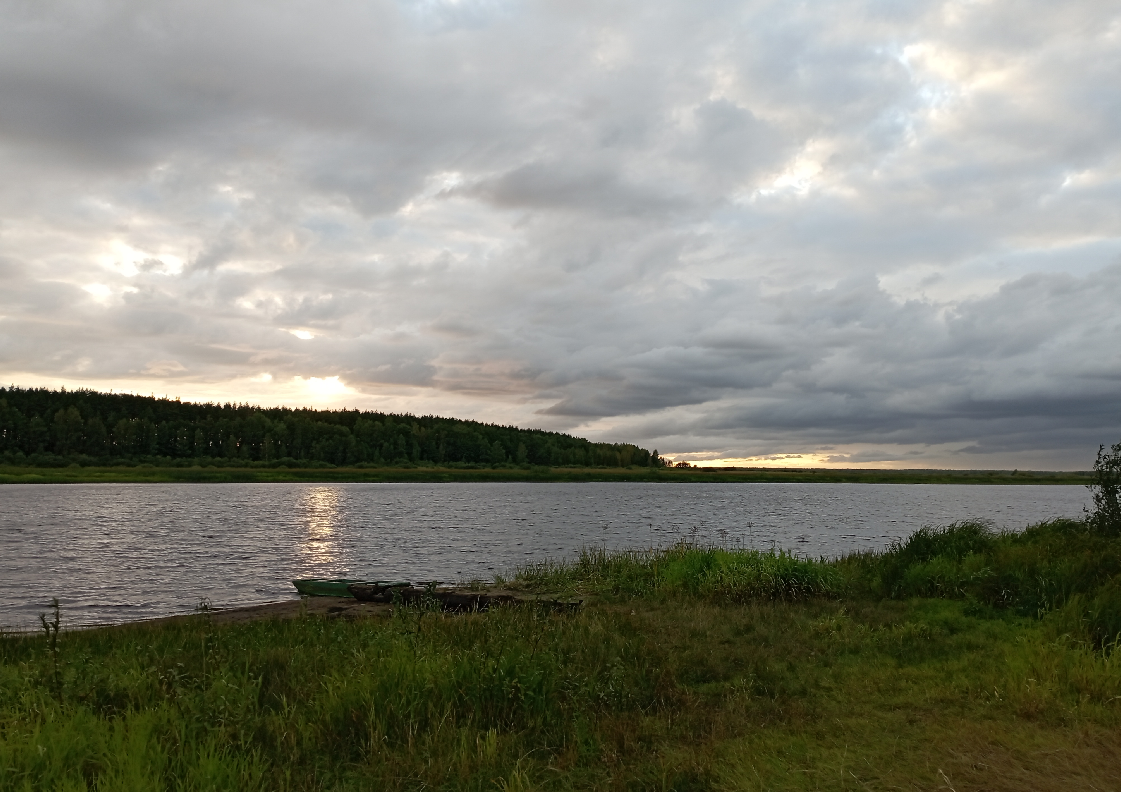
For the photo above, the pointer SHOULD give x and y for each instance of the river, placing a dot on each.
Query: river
(120, 552)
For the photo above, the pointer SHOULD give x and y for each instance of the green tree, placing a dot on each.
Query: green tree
(124, 437)
(1106, 489)
(97, 437)
(136, 427)
(68, 427)
(37, 435)
(12, 427)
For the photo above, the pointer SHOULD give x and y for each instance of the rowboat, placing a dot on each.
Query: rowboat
(337, 587)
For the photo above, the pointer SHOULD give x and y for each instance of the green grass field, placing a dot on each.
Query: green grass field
(147, 474)
(961, 660)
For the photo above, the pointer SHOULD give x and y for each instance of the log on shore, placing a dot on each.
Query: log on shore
(457, 601)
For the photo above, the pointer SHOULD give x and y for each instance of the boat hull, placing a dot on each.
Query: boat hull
(335, 587)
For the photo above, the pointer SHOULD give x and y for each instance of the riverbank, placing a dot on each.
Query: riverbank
(961, 660)
(262, 474)
(310, 607)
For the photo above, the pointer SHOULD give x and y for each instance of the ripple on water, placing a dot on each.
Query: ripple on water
(118, 552)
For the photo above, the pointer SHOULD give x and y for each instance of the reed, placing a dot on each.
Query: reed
(51, 627)
(686, 568)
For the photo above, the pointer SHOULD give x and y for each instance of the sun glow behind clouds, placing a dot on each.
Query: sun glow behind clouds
(866, 456)
(127, 260)
(263, 390)
(322, 386)
(767, 461)
(99, 291)
(818, 459)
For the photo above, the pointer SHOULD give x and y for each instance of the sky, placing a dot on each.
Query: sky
(847, 234)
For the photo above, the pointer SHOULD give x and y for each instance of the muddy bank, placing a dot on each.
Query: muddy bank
(327, 607)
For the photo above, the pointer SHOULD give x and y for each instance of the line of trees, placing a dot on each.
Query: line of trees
(39, 426)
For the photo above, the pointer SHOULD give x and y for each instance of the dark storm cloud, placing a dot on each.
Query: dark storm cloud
(874, 232)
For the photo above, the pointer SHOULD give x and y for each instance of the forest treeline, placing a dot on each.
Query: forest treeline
(44, 427)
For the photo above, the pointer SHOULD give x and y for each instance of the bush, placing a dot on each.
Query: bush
(1030, 572)
(906, 569)
(1105, 519)
(1096, 617)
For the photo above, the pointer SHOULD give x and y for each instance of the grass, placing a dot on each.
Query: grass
(962, 659)
(686, 569)
(75, 474)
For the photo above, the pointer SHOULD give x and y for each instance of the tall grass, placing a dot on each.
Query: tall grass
(1062, 565)
(688, 569)
(316, 701)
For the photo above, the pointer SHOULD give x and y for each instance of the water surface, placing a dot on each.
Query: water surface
(117, 552)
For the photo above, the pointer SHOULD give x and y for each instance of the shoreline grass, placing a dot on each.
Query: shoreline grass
(961, 658)
(511, 473)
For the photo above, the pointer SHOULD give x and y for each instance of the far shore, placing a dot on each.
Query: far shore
(336, 475)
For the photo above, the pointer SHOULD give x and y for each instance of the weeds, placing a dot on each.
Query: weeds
(50, 630)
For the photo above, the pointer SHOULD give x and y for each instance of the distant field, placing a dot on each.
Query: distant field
(142, 474)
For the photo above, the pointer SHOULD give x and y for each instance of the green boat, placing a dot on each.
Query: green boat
(336, 587)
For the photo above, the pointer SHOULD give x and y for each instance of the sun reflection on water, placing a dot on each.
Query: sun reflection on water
(319, 512)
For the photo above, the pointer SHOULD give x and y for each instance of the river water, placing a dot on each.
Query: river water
(119, 552)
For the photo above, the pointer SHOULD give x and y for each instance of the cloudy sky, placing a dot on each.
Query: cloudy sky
(877, 233)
